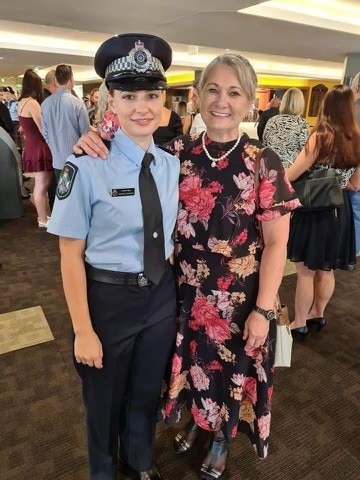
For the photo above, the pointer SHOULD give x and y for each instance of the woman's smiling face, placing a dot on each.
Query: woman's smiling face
(223, 104)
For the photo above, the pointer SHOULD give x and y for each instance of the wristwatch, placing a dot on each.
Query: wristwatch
(268, 314)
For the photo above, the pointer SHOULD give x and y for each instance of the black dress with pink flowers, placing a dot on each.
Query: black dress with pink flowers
(218, 251)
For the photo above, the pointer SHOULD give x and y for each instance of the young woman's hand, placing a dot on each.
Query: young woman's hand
(88, 349)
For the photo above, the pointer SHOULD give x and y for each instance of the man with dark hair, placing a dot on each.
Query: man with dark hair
(64, 118)
(64, 74)
(273, 110)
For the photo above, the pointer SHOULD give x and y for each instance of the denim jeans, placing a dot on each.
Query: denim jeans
(355, 202)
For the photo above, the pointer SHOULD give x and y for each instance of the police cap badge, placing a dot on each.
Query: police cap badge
(134, 61)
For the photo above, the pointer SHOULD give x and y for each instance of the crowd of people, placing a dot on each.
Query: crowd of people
(171, 257)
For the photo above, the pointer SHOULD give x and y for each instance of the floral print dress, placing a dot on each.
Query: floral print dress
(218, 253)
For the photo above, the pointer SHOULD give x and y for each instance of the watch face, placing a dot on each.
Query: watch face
(271, 315)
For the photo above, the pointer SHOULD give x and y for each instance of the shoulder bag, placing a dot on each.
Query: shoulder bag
(319, 189)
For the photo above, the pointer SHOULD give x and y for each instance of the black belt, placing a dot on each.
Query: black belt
(117, 278)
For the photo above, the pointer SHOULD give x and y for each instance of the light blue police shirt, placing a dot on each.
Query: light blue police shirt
(104, 205)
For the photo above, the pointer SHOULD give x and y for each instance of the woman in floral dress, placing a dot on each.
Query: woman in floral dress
(222, 368)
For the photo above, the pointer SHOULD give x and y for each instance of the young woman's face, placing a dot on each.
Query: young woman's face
(139, 112)
(223, 104)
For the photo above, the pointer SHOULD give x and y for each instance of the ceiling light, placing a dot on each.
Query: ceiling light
(343, 16)
(193, 50)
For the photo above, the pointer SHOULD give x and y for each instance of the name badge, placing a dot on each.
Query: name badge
(122, 192)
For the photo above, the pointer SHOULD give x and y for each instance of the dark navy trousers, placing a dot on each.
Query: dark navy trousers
(137, 327)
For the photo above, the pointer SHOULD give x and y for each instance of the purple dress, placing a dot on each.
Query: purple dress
(36, 155)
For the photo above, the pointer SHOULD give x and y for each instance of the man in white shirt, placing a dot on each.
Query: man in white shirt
(197, 125)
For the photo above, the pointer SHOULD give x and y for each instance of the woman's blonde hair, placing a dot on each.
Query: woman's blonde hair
(241, 66)
(293, 102)
(103, 100)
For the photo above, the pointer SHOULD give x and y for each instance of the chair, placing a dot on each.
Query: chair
(10, 178)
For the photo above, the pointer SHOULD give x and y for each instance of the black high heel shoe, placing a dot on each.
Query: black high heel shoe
(300, 332)
(181, 443)
(319, 323)
(218, 447)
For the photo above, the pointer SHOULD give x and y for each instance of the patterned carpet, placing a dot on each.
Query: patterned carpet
(316, 415)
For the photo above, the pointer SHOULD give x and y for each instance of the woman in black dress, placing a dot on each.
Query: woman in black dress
(322, 241)
(170, 126)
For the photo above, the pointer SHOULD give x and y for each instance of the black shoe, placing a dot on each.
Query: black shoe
(185, 439)
(218, 447)
(152, 473)
(300, 332)
(319, 323)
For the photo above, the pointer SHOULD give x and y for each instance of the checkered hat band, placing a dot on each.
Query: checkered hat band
(125, 64)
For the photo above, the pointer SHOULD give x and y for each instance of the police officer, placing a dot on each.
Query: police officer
(115, 220)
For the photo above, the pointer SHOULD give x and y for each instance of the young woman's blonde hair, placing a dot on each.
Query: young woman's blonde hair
(242, 68)
(103, 100)
(293, 102)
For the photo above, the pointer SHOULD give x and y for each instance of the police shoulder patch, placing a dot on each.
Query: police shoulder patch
(66, 180)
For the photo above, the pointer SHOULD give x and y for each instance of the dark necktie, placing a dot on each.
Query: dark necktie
(154, 245)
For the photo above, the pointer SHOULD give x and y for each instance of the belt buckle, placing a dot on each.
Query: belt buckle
(142, 280)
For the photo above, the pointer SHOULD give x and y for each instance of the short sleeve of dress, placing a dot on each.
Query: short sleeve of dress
(72, 209)
(179, 145)
(276, 195)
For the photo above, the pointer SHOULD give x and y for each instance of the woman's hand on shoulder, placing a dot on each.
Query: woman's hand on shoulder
(256, 331)
(91, 143)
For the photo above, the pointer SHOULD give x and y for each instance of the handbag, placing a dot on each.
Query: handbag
(319, 189)
(284, 340)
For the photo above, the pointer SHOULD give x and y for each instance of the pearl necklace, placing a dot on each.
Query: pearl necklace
(213, 160)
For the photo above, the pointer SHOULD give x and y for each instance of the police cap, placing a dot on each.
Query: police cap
(133, 61)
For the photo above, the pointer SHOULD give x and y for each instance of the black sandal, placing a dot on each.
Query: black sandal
(181, 444)
(218, 446)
